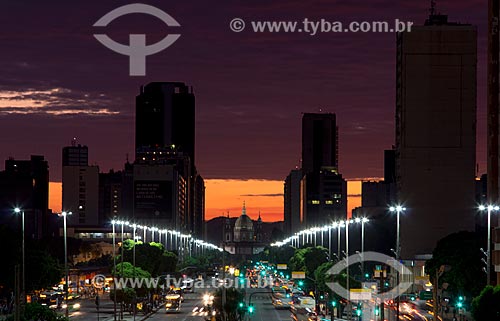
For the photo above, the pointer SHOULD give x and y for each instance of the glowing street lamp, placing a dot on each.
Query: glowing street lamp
(490, 208)
(398, 209)
(17, 210)
(64, 214)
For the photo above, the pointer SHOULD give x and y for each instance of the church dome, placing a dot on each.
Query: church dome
(243, 228)
(244, 222)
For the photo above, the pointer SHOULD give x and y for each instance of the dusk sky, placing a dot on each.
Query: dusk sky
(59, 82)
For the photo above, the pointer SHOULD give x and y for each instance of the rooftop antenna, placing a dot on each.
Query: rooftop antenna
(73, 142)
(433, 7)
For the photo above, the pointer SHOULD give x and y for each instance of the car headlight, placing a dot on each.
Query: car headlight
(76, 306)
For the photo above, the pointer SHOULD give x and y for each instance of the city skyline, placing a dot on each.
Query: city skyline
(234, 125)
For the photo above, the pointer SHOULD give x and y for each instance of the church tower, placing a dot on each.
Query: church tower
(228, 230)
(258, 230)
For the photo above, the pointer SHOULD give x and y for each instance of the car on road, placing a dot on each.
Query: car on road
(280, 298)
(303, 309)
(178, 291)
(173, 303)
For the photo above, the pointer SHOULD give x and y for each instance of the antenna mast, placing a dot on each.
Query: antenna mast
(433, 7)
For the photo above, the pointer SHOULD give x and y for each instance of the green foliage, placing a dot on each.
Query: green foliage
(278, 255)
(486, 306)
(461, 252)
(308, 259)
(35, 311)
(322, 277)
(314, 257)
(151, 257)
(168, 262)
(128, 244)
(125, 295)
(297, 261)
(42, 268)
(126, 270)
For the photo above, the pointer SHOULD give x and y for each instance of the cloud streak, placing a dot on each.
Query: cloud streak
(54, 101)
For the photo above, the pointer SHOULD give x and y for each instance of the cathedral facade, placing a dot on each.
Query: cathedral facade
(244, 238)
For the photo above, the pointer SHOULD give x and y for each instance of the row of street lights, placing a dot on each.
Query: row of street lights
(17, 210)
(181, 240)
(310, 235)
(398, 209)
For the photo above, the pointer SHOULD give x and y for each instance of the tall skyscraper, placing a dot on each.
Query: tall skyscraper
(293, 202)
(80, 187)
(319, 142)
(324, 190)
(493, 117)
(435, 132)
(25, 184)
(165, 136)
(165, 117)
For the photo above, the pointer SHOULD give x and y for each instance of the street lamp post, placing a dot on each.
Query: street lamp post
(17, 210)
(64, 214)
(134, 226)
(490, 209)
(341, 224)
(347, 222)
(113, 222)
(362, 221)
(398, 209)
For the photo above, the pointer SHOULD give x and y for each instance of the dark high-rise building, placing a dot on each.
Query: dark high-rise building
(75, 155)
(165, 118)
(319, 142)
(25, 184)
(435, 132)
(115, 194)
(324, 197)
(324, 190)
(390, 166)
(160, 196)
(80, 187)
(165, 136)
(198, 227)
(293, 202)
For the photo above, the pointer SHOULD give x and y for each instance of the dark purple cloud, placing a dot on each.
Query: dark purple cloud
(250, 88)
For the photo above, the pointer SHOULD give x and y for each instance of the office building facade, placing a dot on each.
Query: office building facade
(435, 132)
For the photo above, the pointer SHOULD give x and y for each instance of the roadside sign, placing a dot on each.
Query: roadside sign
(361, 294)
(298, 275)
(425, 295)
(281, 266)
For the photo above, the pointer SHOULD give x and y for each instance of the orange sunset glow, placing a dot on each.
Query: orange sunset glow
(227, 195)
